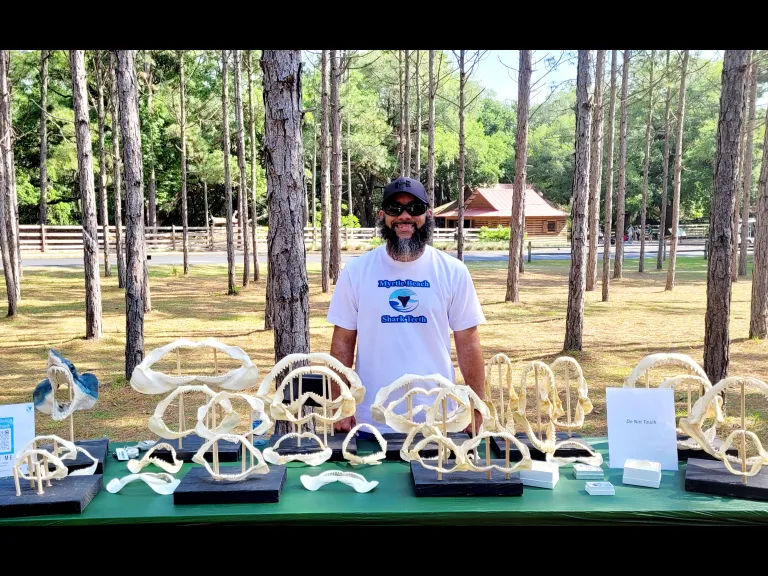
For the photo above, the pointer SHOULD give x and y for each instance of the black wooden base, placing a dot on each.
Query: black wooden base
(425, 482)
(712, 477)
(289, 446)
(70, 495)
(228, 451)
(684, 454)
(198, 487)
(98, 448)
(395, 443)
(568, 452)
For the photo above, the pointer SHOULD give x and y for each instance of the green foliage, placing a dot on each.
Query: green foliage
(350, 221)
(347, 220)
(370, 116)
(498, 234)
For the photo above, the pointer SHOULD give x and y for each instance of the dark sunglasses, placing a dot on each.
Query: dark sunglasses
(414, 209)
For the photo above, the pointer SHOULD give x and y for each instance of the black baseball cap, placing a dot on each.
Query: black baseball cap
(407, 185)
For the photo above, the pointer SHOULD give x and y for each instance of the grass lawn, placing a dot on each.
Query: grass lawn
(640, 319)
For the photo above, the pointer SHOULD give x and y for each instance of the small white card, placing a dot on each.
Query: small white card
(599, 486)
(17, 429)
(586, 468)
(641, 425)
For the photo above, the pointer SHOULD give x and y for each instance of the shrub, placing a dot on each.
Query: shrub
(498, 234)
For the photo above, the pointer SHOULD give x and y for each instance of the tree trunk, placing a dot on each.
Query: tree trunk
(104, 211)
(676, 182)
(11, 213)
(665, 176)
(431, 132)
(349, 155)
(462, 159)
(750, 132)
(717, 318)
(285, 189)
(646, 166)
(183, 126)
(87, 196)
(417, 169)
(227, 177)
(574, 321)
(314, 175)
(207, 213)
(325, 237)
(737, 199)
(243, 190)
(252, 127)
(116, 176)
(609, 184)
(335, 266)
(401, 135)
(517, 222)
(44, 136)
(621, 207)
(406, 113)
(596, 171)
(521, 260)
(758, 320)
(6, 248)
(152, 192)
(135, 245)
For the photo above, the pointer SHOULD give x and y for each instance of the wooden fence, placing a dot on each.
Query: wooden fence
(38, 238)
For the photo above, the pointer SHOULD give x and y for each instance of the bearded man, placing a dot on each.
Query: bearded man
(399, 302)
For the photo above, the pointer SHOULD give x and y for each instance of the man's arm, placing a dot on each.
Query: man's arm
(470, 356)
(343, 349)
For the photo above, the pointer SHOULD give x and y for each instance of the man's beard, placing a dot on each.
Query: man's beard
(406, 249)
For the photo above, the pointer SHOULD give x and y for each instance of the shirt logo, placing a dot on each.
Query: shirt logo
(403, 300)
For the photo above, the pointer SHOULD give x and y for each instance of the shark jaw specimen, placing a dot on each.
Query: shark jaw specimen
(61, 372)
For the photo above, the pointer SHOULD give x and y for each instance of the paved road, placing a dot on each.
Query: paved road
(631, 252)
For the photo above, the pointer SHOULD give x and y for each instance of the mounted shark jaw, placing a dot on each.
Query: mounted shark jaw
(384, 413)
(261, 467)
(148, 381)
(550, 406)
(231, 419)
(64, 450)
(503, 413)
(692, 426)
(714, 410)
(663, 359)
(460, 461)
(583, 403)
(158, 425)
(268, 387)
(341, 407)
(272, 456)
(543, 392)
(62, 372)
(374, 458)
(172, 467)
(469, 445)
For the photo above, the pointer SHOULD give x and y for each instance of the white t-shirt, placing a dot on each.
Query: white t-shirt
(403, 313)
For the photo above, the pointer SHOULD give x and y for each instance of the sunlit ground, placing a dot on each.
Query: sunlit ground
(640, 319)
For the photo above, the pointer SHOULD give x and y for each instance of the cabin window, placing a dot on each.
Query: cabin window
(550, 225)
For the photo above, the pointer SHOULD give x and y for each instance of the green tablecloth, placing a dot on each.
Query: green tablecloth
(393, 502)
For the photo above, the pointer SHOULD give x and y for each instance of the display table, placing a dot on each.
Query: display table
(393, 502)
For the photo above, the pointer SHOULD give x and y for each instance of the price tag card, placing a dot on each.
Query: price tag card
(641, 425)
(17, 429)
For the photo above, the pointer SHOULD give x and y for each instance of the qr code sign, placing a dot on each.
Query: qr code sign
(5, 441)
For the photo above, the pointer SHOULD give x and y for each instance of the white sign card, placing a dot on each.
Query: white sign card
(641, 425)
(17, 429)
